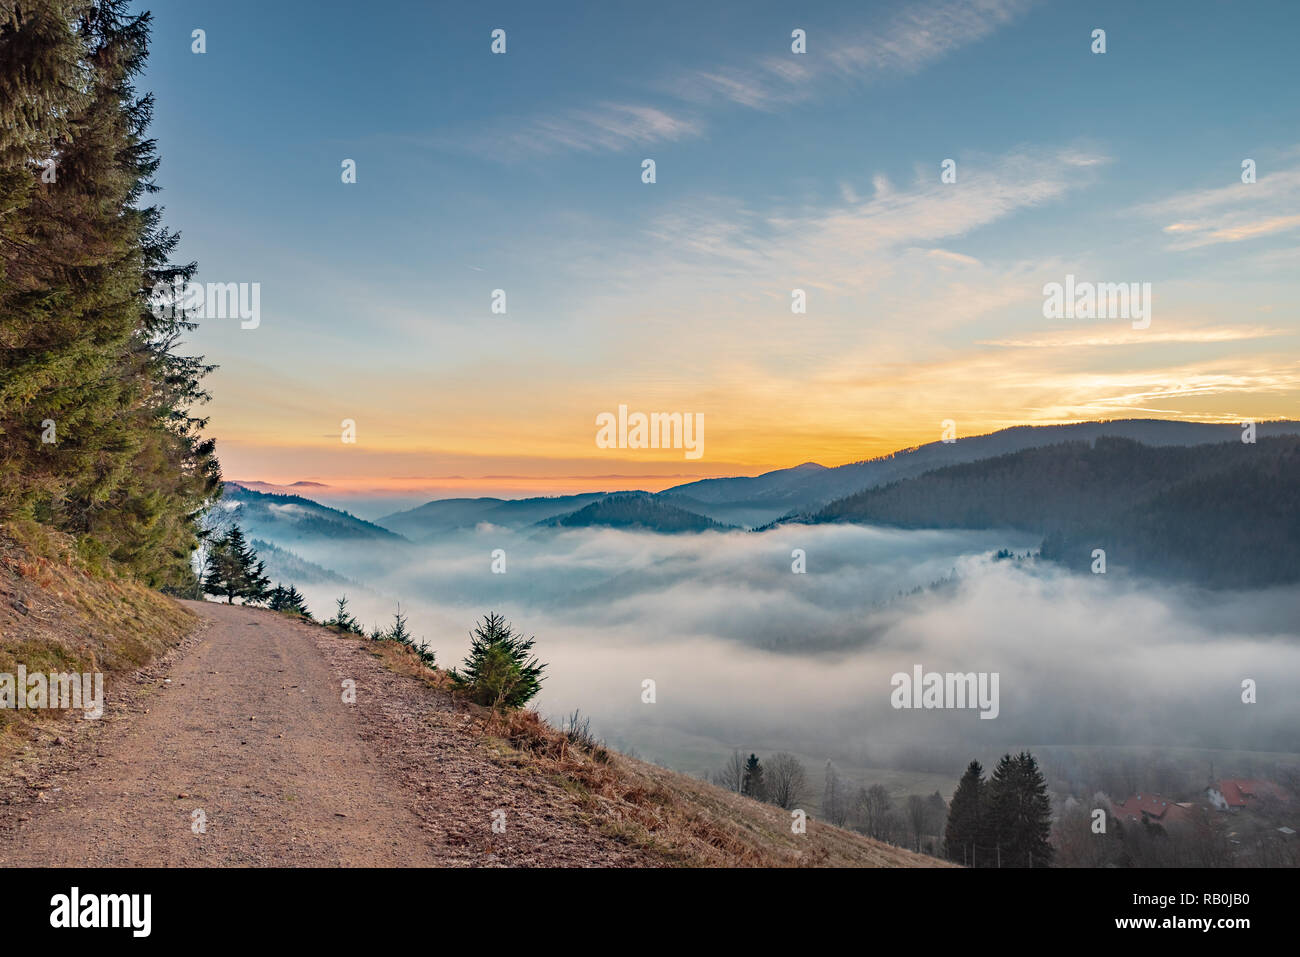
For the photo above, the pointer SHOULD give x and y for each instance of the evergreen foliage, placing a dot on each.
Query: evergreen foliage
(234, 570)
(288, 601)
(97, 436)
(753, 784)
(343, 619)
(965, 829)
(1019, 813)
(1166, 511)
(399, 631)
(500, 669)
(402, 635)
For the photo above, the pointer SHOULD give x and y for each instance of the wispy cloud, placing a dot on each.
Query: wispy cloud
(1092, 394)
(603, 127)
(902, 45)
(1130, 337)
(921, 34)
(855, 241)
(906, 43)
(948, 256)
(772, 84)
(1232, 213)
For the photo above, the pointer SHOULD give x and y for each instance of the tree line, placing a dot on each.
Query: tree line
(98, 435)
(783, 780)
(1165, 511)
(1004, 821)
(500, 670)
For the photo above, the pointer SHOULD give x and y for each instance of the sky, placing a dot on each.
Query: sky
(774, 171)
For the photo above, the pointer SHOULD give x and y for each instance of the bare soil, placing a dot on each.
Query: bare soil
(246, 723)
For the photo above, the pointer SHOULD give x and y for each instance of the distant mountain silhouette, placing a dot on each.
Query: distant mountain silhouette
(1226, 514)
(288, 519)
(453, 514)
(806, 488)
(1156, 494)
(284, 566)
(635, 510)
(273, 488)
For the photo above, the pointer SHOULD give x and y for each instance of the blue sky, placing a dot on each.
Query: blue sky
(774, 171)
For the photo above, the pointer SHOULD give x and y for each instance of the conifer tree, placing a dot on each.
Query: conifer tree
(235, 571)
(753, 784)
(1020, 812)
(97, 437)
(288, 601)
(399, 631)
(500, 669)
(343, 620)
(966, 817)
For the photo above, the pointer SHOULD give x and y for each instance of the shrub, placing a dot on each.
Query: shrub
(343, 620)
(288, 601)
(577, 729)
(398, 632)
(499, 670)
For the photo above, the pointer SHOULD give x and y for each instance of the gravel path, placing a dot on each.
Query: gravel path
(252, 731)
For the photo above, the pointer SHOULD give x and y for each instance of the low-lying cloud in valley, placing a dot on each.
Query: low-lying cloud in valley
(746, 653)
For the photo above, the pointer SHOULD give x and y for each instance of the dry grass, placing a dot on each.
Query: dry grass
(684, 821)
(59, 614)
(675, 819)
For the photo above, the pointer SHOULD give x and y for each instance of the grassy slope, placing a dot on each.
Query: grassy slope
(678, 820)
(59, 615)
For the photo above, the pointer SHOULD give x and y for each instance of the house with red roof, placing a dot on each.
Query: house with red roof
(1233, 794)
(1154, 809)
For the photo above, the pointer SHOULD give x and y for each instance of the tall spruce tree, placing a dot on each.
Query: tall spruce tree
(964, 831)
(234, 570)
(1020, 812)
(97, 437)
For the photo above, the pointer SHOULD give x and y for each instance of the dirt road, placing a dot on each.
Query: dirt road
(249, 729)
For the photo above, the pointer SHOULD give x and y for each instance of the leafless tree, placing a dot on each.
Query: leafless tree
(918, 817)
(835, 798)
(786, 778)
(1207, 839)
(732, 775)
(872, 807)
(1079, 844)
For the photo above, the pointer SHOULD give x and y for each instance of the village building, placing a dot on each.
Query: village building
(1233, 794)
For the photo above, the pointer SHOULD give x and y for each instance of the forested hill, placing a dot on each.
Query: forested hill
(808, 487)
(292, 518)
(1223, 515)
(636, 510)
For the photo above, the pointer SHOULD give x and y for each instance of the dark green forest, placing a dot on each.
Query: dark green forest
(98, 437)
(1224, 515)
(637, 510)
